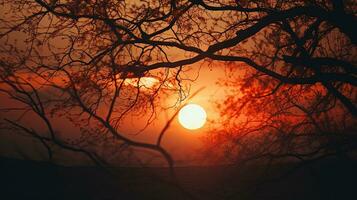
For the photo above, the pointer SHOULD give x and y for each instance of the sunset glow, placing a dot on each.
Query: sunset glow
(192, 116)
(178, 99)
(147, 82)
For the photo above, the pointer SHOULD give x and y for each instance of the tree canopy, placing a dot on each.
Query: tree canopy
(291, 69)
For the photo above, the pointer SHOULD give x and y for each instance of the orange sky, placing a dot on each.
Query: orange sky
(180, 142)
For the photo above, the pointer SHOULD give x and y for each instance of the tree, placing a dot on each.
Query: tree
(66, 65)
(292, 105)
(300, 54)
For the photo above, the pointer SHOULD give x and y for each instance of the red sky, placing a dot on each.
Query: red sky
(183, 144)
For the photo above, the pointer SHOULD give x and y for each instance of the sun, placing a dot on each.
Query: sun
(192, 116)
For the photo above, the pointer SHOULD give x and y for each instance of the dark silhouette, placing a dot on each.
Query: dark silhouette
(291, 75)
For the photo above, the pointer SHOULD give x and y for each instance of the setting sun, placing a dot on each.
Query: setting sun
(178, 99)
(192, 116)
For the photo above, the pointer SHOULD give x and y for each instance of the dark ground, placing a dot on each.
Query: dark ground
(38, 180)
